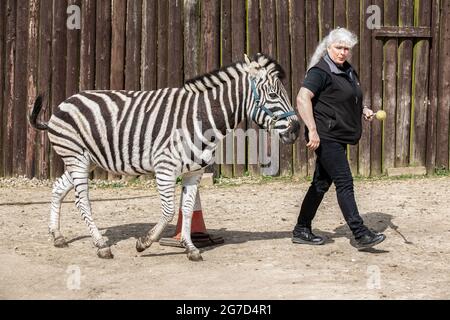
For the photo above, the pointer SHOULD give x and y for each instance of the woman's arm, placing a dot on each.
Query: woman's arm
(305, 109)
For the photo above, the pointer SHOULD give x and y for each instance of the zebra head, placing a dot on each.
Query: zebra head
(271, 108)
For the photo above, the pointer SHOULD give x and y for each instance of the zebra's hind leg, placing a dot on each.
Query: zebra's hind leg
(60, 189)
(166, 187)
(190, 188)
(80, 176)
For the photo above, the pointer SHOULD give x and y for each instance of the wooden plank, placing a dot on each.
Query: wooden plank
(191, 38)
(210, 47)
(377, 101)
(253, 47)
(32, 73)
(59, 51)
(326, 17)
(238, 11)
(19, 138)
(442, 150)
(353, 24)
(8, 98)
(312, 40)
(403, 119)
(102, 58)
(44, 83)
(175, 44)
(149, 45)
(163, 24)
(270, 161)
(390, 86)
(133, 45)
(226, 167)
(420, 87)
(87, 51)
(2, 77)
(403, 31)
(118, 27)
(340, 13)
(298, 59)
(433, 89)
(284, 59)
(73, 57)
(365, 79)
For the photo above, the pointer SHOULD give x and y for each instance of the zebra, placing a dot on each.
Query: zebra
(138, 132)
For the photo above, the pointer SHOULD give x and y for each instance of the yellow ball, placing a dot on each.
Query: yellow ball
(380, 115)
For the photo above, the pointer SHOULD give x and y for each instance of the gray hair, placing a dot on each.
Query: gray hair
(338, 35)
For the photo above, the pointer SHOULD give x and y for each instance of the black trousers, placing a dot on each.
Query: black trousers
(332, 166)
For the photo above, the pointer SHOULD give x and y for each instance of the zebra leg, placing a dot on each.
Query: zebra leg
(190, 187)
(60, 189)
(80, 176)
(166, 187)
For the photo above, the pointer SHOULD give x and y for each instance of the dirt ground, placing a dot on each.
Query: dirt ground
(257, 260)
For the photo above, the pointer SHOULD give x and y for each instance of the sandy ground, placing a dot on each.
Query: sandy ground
(257, 260)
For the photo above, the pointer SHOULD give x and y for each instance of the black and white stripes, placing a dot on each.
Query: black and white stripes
(171, 132)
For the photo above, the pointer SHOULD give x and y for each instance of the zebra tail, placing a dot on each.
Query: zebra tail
(33, 118)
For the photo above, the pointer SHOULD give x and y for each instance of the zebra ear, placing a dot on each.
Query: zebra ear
(247, 59)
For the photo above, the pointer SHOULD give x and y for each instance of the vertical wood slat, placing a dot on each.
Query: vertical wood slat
(175, 44)
(149, 45)
(433, 89)
(284, 59)
(238, 31)
(340, 12)
(403, 124)
(19, 138)
(298, 68)
(353, 24)
(118, 27)
(312, 40)
(87, 50)
(253, 47)
(73, 56)
(133, 45)
(442, 149)
(210, 48)
(3, 76)
(8, 98)
(268, 156)
(59, 48)
(32, 66)
(44, 82)
(377, 101)
(366, 66)
(326, 17)
(390, 86)
(191, 38)
(226, 167)
(420, 87)
(162, 63)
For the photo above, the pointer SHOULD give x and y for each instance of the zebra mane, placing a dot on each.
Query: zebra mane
(219, 76)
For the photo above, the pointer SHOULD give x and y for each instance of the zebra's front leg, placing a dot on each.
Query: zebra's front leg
(190, 188)
(166, 187)
(60, 189)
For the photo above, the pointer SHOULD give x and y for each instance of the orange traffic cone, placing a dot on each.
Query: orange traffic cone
(200, 237)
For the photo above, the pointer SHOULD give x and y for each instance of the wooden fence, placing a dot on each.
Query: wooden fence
(143, 45)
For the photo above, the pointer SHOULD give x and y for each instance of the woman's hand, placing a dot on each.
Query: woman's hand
(314, 140)
(368, 113)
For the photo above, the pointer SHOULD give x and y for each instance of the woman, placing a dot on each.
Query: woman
(330, 104)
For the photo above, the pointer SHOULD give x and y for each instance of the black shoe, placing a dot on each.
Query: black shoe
(304, 235)
(369, 240)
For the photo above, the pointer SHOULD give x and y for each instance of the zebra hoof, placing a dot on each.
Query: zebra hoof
(105, 253)
(60, 242)
(140, 246)
(194, 256)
